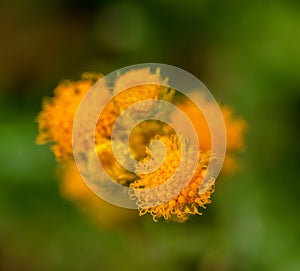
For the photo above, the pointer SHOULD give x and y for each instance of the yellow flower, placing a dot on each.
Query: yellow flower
(235, 130)
(55, 122)
(187, 201)
(55, 126)
(148, 86)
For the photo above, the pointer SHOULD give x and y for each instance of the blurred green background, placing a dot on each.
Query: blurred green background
(246, 52)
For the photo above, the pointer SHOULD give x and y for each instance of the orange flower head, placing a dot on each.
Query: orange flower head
(185, 202)
(55, 121)
(235, 130)
(138, 85)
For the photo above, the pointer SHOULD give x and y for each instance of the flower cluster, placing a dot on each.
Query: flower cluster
(56, 122)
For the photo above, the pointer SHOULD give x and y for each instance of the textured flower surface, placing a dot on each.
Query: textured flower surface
(235, 130)
(185, 202)
(56, 121)
(147, 87)
(57, 117)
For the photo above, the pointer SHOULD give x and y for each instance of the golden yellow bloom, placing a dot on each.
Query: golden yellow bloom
(57, 116)
(56, 123)
(188, 200)
(235, 130)
(148, 86)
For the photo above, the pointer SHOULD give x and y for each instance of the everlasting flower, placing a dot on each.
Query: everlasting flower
(188, 200)
(148, 87)
(235, 130)
(55, 126)
(138, 85)
(56, 119)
